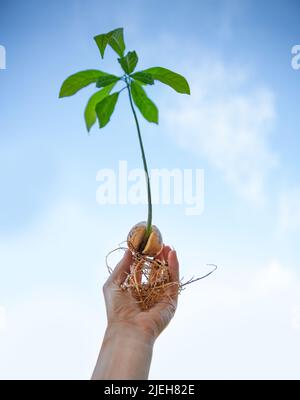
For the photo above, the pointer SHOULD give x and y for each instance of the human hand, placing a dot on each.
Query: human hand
(127, 346)
(123, 312)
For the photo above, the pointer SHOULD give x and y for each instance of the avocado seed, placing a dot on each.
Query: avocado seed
(136, 240)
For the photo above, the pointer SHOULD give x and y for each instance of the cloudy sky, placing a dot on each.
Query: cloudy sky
(240, 125)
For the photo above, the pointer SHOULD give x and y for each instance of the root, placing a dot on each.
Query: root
(149, 280)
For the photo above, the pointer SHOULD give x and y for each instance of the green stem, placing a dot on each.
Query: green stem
(149, 220)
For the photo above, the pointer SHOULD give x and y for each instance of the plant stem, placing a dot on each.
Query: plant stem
(149, 220)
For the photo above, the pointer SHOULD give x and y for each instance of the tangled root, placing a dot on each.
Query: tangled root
(149, 280)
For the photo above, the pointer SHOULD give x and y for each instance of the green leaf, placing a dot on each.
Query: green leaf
(116, 41)
(146, 106)
(79, 80)
(143, 77)
(90, 110)
(107, 80)
(129, 62)
(170, 78)
(102, 42)
(105, 108)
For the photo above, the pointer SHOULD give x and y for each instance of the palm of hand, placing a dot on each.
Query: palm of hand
(122, 308)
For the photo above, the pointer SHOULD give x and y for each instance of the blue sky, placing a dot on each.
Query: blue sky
(240, 125)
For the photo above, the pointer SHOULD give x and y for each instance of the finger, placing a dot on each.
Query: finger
(163, 254)
(166, 252)
(169, 300)
(122, 269)
(173, 265)
(160, 255)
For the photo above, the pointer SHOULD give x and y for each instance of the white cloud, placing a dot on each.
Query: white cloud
(227, 120)
(234, 325)
(63, 246)
(51, 335)
(289, 210)
(52, 275)
(228, 325)
(273, 278)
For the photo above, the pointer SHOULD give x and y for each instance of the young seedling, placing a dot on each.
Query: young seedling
(148, 275)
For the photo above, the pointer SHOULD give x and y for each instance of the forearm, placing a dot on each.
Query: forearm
(125, 354)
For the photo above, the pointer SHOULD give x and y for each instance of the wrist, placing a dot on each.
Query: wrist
(130, 334)
(125, 353)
